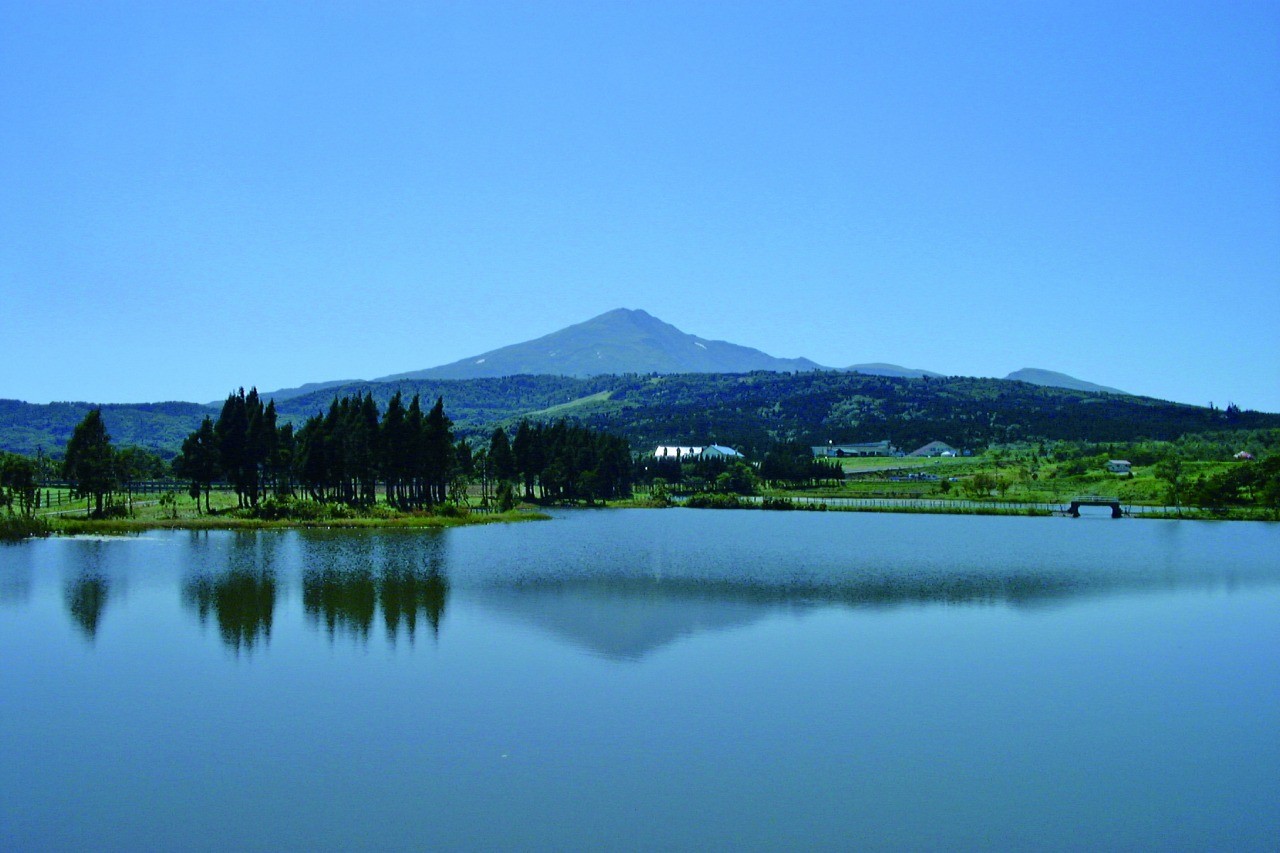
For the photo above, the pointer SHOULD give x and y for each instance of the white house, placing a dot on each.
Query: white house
(1119, 466)
(672, 451)
(711, 451)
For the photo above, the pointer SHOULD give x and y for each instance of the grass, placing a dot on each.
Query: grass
(150, 514)
(75, 526)
(16, 527)
(562, 408)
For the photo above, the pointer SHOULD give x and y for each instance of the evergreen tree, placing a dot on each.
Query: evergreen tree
(502, 461)
(232, 432)
(90, 463)
(199, 461)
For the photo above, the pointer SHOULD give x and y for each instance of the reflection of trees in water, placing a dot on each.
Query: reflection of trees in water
(341, 599)
(402, 593)
(346, 601)
(86, 599)
(243, 603)
(402, 578)
(238, 588)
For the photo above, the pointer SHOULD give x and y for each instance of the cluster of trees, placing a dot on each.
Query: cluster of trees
(19, 483)
(346, 454)
(557, 461)
(1245, 484)
(98, 471)
(794, 465)
(701, 474)
(340, 456)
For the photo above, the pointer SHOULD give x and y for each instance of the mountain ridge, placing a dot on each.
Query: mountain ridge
(1054, 379)
(620, 341)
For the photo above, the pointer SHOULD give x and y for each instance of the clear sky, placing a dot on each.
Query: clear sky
(196, 196)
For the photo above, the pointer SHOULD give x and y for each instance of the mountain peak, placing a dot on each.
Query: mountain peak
(623, 340)
(1053, 379)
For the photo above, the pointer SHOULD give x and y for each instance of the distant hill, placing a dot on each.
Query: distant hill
(1050, 379)
(879, 368)
(749, 411)
(303, 390)
(616, 342)
(28, 427)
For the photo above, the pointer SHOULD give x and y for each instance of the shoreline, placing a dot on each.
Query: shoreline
(82, 526)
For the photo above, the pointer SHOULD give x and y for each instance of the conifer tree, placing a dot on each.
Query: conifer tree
(90, 462)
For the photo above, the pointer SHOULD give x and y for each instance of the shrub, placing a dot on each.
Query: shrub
(705, 500)
(15, 527)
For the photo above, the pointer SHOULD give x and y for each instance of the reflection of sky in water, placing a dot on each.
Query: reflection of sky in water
(620, 584)
(671, 679)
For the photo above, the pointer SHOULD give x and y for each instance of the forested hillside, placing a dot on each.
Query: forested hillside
(27, 428)
(755, 410)
(750, 411)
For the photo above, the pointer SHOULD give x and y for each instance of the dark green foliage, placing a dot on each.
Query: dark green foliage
(1255, 483)
(15, 527)
(27, 428)
(200, 461)
(86, 600)
(502, 461)
(568, 463)
(242, 602)
(794, 465)
(136, 464)
(753, 412)
(89, 464)
(704, 500)
(19, 484)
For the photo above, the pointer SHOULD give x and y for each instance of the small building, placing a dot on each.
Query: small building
(935, 448)
(1244, 456)
(719, 451)
(866, 448)
(1119, 466)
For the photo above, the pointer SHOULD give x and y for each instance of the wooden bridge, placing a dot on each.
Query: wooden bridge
(1095, 500)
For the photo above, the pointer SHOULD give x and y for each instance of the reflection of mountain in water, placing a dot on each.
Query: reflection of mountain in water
(621, 620)
(86, 599)
(624, 617)
(242, 602)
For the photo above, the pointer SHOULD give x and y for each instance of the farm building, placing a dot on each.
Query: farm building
(1119, 466)
(866, 448)
(673, 451)
(711, 451)
(935, 448)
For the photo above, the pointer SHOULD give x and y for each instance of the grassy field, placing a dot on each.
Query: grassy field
(150, 512)
(1013, 480)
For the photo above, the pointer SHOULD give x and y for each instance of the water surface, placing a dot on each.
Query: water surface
(644, 679)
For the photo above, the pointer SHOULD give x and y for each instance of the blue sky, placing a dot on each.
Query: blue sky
(199, 196)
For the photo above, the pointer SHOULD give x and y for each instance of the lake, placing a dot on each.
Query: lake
(644, 679)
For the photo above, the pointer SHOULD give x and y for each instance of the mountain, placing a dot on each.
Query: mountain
(879, 368)
(616, 342)
(1050, 379)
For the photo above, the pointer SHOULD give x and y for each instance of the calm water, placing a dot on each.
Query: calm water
(646, 679)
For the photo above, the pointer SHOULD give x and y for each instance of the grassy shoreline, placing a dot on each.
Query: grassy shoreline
(80, 526)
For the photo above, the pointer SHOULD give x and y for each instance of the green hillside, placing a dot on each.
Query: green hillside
(28, 427)
(750, 411)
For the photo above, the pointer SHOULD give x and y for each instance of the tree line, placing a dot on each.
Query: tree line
(557, 461)
(346, 454)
